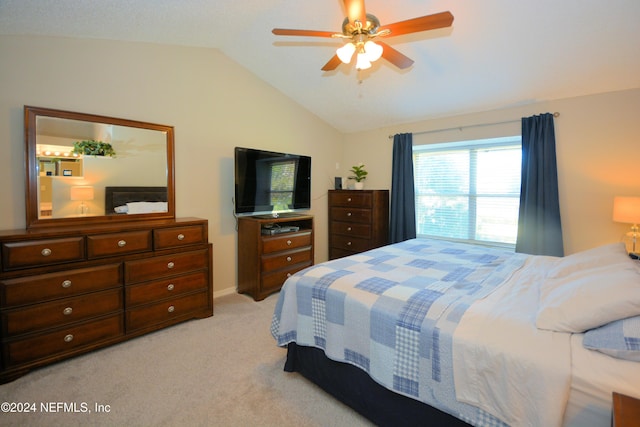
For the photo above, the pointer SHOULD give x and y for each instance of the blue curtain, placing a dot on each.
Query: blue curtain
(539, 225)
(403, 205)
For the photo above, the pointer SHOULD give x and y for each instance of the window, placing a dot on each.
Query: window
(469, 191)
(283, 175)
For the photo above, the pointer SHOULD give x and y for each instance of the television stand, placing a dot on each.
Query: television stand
(272, 249)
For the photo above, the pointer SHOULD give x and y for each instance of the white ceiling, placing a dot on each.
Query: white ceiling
(497, 54)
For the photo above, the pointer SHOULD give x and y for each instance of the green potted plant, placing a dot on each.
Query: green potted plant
(93, 148)
(359, 175)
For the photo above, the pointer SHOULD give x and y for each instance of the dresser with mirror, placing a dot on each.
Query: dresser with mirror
(103, 258)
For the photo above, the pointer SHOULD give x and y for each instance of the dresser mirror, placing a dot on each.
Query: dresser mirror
(121, 170)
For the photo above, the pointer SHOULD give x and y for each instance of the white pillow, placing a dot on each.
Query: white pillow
(590, 298)
(146, 207)
(591, 258)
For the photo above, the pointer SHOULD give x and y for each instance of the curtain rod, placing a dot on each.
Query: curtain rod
(556, 114)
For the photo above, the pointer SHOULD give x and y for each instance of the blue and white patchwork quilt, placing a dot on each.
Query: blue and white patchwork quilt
(393, 311)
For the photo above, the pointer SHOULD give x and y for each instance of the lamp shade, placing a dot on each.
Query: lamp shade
(81, 193)
(373, 51)
(345, 53)
(362, 62)
(626, 209)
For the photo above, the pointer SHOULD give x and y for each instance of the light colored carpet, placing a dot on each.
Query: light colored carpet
(221, 371)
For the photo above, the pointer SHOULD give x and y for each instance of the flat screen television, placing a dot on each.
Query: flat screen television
(271, 183)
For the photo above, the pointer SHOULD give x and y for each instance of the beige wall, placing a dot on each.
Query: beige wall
(597, 144)
(213, 103)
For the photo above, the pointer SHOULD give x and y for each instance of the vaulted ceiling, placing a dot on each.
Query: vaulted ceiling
(497, 54)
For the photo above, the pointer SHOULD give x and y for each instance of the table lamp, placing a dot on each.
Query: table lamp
(82, 193)
(627, 210)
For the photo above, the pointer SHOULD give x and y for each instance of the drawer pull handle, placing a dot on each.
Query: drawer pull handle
(348, 228)
(180, 236)
(122, 243)
(170, 286)
(289, 258)
(68, 338)
(348, 243)
(46, 252)
(348, 213)
(66, 284)
(288, 242)
(67, 311)
(171, 309)
(349, 199)
(170, 265)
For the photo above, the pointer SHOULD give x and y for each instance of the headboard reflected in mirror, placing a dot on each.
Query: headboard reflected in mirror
(63, 187)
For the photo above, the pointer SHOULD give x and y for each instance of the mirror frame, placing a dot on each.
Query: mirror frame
(31, 162)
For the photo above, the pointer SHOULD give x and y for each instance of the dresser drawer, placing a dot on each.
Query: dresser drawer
(274, 280)
(63, 341)
(35, 253)
(45, 287)
(286, 259)
(167, 310)
(286, 241)
(166, 238)
(101, 245)
(61, 312)
(165, 288)
(356, 199)
(351, 215)
(350, 243)
(164, 266)
(350, 229)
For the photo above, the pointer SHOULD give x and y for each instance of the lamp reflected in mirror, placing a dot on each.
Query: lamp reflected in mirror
(82, 193)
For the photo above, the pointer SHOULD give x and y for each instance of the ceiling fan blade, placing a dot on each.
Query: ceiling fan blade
(332, 64)
(396, 58)
(423, 23)
(356, 11)
(307, 33)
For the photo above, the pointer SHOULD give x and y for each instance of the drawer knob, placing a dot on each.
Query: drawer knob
(46, 252)
(170, 286)
(170, 265)
(67, 311)
(68, 338)
(348, 228)
(349, 199)
(289, 258)
(288, 242)
(288, 274)
(348, 213)
(66, 284)
(348, 243)
(171, 309)
(122, 243)
(180, 236)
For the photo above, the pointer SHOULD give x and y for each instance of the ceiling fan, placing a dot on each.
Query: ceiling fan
(361, 28)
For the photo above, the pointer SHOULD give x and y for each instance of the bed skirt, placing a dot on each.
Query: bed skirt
(353, 387)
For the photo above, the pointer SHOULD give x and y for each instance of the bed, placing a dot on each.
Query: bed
(135, 200)
(428, 332)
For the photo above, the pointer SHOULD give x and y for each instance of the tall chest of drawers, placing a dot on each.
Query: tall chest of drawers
(358, 221)
(267, 256)
(71, 290)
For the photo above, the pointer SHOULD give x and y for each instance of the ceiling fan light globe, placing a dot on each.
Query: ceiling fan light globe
(373, 51)
(345, 53)
(363, 63)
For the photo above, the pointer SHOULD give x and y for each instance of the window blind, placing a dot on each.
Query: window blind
(469, 191)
